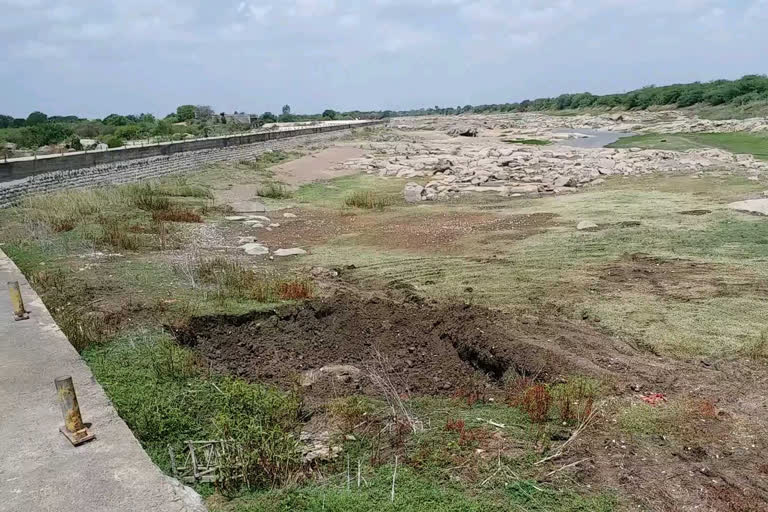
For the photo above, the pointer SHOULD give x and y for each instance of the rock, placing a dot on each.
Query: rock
(289, 215)
(260, 218)
(235, 218)
(463, 131)
(186, 498)
(274, 225)
(255, 249)
(318, 446)
(565, 181)
(289, 252)
(587, 225)
(755, 206)
(442, 165)
(254, 223)
(340, 372)
(413, 192)
(247, 240)
(101, 147)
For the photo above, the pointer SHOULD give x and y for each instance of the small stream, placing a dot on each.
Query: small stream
(594, 139)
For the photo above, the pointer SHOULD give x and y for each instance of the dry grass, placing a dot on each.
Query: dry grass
(176, 215)
(232, 279)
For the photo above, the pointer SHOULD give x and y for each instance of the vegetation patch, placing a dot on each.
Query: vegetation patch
(738, 142)
(368, 200)
(274, 190)
(529, 142)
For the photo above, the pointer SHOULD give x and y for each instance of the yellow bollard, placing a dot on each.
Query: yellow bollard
(74, 428)
(19, 312)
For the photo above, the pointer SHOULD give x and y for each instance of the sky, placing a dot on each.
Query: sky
(95, 57)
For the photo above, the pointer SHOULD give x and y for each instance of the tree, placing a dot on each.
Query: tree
(330, 114)
(36, 118)
(203, 112)
(286, 110)
(6, 121)
(185, 112)
(268, 117)
(115, 120)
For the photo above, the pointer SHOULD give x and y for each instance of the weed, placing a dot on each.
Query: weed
(233, 279)
(536, 401)
(116, 235)
(575, 399)
(351, 412)
(176, 215)
(295, 289)
(274, 190)
(146, 197)
(82, 329)
(367, 199)
(516, 388)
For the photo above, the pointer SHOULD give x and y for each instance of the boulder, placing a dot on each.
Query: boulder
(289, 252)
(289, 215)
(587, 225)
(255, 249)
(565, 181)
(413, 192)
(754, 206)
(463, 131)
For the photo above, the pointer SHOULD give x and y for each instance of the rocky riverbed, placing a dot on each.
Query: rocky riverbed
(454, 165)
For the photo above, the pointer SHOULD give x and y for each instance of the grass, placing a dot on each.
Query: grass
(738, 142)
(368, 200)
(415, 494)
(166, 398)
(331, 194)
(530, 142)
(718, 317)
(232, 279)
(274, 190)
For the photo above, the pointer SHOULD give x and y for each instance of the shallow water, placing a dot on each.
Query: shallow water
(596, 139)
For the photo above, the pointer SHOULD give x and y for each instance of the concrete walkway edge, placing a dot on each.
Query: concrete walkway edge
(40, 471)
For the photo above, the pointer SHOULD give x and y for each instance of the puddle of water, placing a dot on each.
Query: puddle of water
(596, 139)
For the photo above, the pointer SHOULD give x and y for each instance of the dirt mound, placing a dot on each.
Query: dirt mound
(332, 344)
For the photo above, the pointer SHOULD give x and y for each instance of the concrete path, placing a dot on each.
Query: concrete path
(40, 470)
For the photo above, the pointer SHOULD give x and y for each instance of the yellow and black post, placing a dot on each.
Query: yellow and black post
(74, 428)
(19, 312)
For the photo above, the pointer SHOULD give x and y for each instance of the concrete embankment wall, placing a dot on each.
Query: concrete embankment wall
(20, 178)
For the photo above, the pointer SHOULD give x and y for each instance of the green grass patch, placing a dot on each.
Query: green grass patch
(529, 142)
(367, 200)
(737, 142)
(414, 493)
(331, 194)
(166, 398)
(274, 190)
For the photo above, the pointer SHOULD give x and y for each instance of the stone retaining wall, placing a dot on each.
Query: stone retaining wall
(126, 171)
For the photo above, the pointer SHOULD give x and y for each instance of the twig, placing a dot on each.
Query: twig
(572, 464)
(559, 453)
(347, 471)
(394, 476)
(358, 473)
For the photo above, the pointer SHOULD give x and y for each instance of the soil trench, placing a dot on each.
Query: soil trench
(332, 345)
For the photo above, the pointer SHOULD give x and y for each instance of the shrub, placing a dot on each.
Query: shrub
(274, 191)
(351, 412)
(176, 215)
(574, 400)
(233, 279)
(116, 235)
(147, 198)
(536, 402)
(367, 199)
(115, 142)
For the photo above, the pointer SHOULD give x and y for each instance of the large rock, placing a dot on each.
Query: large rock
(754, 206)
(587, 225)
(413, 193)
(463, 131)
(255, 249)
(289, 252)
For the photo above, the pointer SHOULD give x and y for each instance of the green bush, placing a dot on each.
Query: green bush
(115, 142)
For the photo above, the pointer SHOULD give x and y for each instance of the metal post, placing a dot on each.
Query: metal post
(74, 428)
(19, 312)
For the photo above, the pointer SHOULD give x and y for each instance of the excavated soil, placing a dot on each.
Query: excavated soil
(331, 345)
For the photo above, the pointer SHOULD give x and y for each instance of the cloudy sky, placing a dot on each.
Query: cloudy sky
(94, 57)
